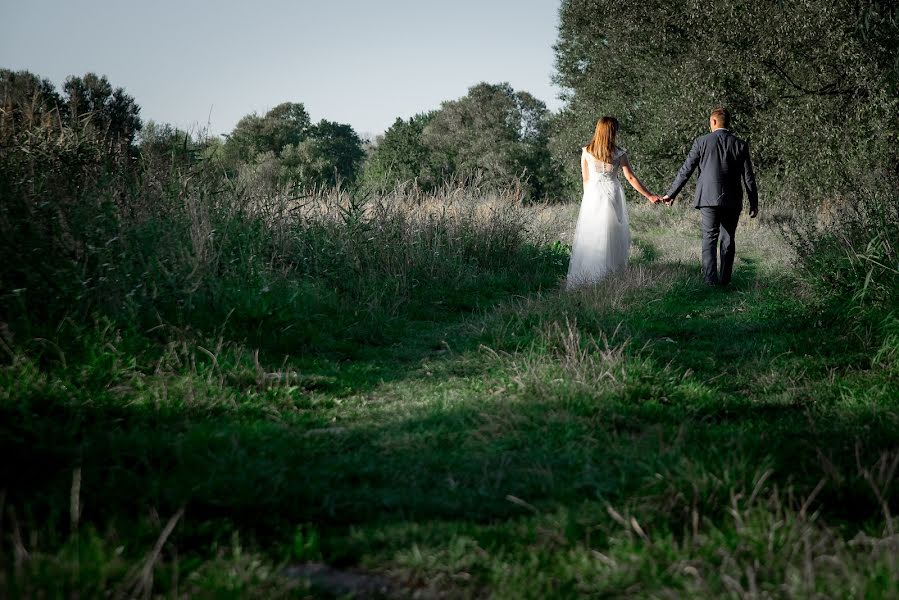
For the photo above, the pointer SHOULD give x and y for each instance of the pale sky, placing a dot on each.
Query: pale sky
(362, 62)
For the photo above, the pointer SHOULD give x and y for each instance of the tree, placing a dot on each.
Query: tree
(284, 141)
(330, 153)
(285, 125)
(401, 155)
(89, 103)
(495, 133)
(27, 100)
(161, 137)
(109, 111)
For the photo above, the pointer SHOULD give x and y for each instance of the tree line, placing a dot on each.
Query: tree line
(494, 135)
(812, 84)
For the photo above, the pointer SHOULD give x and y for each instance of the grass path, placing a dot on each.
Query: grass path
(506, 437)
(648, 437)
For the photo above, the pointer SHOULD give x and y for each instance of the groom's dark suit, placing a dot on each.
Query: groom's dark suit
(723, 161)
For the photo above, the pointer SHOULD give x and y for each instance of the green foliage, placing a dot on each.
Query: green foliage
(306, 544)
(646, 437)
(284, 147)
(27, 99)
(493, 136)
(810, 84)
(175, 241)
(401, 156)
(496, 133)
(848, 253)
(397, 383)
(61, 197)
(285, 125)
(330, 154)
(89, 105)
(167, 145)
(110, 111)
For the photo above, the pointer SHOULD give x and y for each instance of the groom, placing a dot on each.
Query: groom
(723, 160)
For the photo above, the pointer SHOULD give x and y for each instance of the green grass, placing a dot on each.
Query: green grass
(647, 437)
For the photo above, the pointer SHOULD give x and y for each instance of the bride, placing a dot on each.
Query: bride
(602, 237)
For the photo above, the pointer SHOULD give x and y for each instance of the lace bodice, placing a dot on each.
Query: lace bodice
(596, 168)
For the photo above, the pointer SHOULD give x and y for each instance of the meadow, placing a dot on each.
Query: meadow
(348, 395)
(287, 362)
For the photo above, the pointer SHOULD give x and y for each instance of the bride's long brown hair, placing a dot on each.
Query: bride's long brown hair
(602, 146)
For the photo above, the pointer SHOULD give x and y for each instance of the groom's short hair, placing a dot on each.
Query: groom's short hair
(722, 115)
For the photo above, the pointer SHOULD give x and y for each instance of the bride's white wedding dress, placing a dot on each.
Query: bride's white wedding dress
(602, 237)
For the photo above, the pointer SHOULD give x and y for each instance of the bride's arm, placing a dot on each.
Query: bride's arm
(585, 170)
(636, 183)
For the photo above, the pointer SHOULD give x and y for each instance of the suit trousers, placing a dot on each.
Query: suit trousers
(718, 222)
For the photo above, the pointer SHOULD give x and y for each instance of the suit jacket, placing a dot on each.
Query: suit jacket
(723, 160)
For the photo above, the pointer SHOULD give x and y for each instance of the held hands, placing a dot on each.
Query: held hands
(655, 199)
